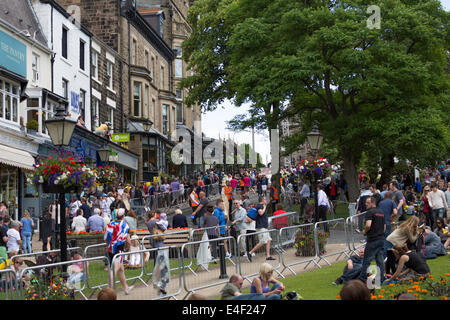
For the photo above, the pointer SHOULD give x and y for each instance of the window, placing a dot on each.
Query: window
(178, 63)
(179, 112)
(133, 51)
(162, 78)
(65, 88)
(179, 94)
(111, 117)
(9, 101)
(137, 99)
(95, 113)
(82, 103)
(35, 68)
(109, 74)
(165, 118)
(94, 64)
(146, 105)
(82, 54)
(65, 33)
(146, 58)
(152, 72)
(153, 108)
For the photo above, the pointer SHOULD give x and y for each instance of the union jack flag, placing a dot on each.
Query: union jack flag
(116, 235)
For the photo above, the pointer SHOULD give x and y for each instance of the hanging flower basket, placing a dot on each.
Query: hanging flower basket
(58, 175)
(314, 166)
(105, 175)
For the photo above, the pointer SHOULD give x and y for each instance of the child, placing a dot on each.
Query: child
(135, 258)
(76, 270)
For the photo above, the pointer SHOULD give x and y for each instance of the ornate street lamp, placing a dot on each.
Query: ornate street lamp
(315, 139)
(103, 153)
(147, 125)
(60, 130)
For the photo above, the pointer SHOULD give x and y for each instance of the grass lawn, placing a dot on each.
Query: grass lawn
(317, 284)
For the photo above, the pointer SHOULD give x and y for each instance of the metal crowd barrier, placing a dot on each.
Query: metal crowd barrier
(73, 280)
(289, 236)
(9, 289)
(333, 243)
(165, 254)
(248, 269)
(207, 279)
(163, 200)
(33, 255)
(150, 237)
(356, 239)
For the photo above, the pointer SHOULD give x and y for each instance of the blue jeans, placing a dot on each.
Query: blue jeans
(26, 238)
(373, 250)
(351, 274)
(437, 213)
(387, 244)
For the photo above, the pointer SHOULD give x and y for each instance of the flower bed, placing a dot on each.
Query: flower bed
(305, 244)
(427, 288)
(56, 289)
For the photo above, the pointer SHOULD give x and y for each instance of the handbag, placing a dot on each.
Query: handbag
(158, 234)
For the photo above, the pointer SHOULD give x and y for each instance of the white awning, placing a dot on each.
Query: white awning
(16, 158)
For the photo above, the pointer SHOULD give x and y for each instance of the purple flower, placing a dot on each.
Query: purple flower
(318, 170)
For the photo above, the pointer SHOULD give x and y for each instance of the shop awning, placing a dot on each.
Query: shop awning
(16, 158)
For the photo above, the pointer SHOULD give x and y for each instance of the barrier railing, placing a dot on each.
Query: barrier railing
(330, 239)
(248, 269)
(33, 255)
(73, 278)
(162, 200)
(209, 279)
(8, 285)
(304, 251)
(354, 224)
(165, 258)
(170, 242)
(197, 253)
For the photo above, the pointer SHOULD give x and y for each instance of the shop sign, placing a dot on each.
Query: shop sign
(13, 54)
(120, 137)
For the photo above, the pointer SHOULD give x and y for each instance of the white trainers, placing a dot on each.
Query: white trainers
(127, 292)
(228, 255)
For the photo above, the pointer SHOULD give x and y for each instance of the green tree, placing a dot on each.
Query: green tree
(322, 60)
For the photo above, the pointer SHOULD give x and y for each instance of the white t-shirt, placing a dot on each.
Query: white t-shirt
(13, 238)
(79, 224)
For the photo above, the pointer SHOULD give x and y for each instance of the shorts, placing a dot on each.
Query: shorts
(263, 237)
(111, 256)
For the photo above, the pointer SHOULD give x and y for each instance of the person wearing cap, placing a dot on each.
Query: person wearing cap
(14, 239)
(117, 237)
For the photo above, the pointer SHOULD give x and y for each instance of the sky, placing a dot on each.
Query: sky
(214, 122)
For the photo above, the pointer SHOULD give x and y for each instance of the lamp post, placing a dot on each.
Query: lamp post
(60, 130)
(315, 139)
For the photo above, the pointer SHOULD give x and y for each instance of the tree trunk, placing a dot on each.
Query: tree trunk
(387, 165)
(351, 174)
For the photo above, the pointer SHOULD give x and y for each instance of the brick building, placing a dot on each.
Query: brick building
(145, 70)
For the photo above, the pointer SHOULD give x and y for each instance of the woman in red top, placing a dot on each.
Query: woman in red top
(426, 207)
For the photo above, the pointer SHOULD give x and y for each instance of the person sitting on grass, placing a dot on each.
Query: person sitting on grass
(416, 265)
(352, 269)
(262, 283)
(232, 290)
